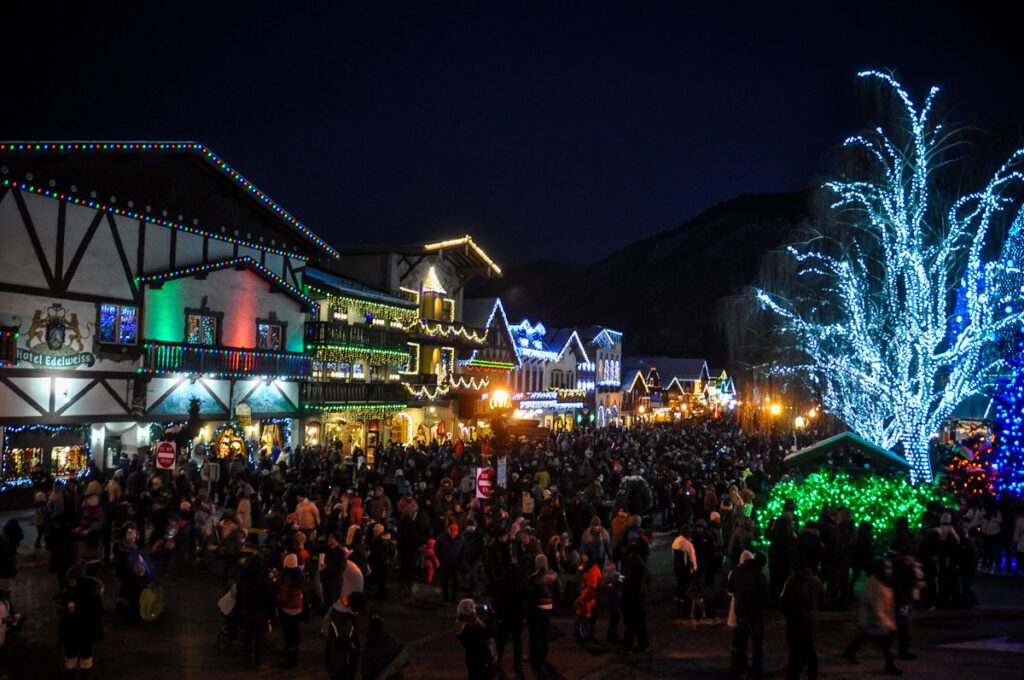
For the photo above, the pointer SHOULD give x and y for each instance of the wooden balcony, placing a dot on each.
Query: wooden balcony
(353, 393)
(222, 362)
(353, 335)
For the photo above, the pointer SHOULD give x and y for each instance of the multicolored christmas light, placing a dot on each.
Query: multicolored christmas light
(870, 305)
(969, 479)
(230, 172)
(247, 262)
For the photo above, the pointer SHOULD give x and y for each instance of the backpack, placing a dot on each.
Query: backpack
(342, 643)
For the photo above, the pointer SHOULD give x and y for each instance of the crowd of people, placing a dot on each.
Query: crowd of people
(321, 533)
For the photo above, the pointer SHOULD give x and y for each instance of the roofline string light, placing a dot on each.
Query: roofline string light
(225, 264)
(466, 240)
(177, 146)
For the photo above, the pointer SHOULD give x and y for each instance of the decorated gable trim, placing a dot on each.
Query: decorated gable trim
(246, 262)
(211, 157)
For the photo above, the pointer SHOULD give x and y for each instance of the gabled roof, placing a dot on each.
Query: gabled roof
(670, 367)
(536, 347)
(600, 336)
(489, 313)
(561, 339)
(633, 376)
(236, 262)
(463, 253)
(181, 185)
(821, 450)
(342, 287)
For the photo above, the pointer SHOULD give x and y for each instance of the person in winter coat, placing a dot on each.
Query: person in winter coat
(878, 616)
(543, 595)
(904, 586)
(749, 589)
(382, 555)
(450, 549)
(863, 554)
(597, 542)
(475, 637)
(332, 565)
(89, 532)
(781, 553)
(81, 621)
(289, 603)
(635, 588)
(409, 541)
(381, 650)
(338, 628)
(840, 560)
(510, 612)
(611, 592)
(801, 601)
(473, 557)
(586, 603)
(620, 525)
(254, 601)
(380, 506)
(684, 563)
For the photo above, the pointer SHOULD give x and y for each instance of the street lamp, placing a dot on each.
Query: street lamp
(798, 424)
(775, 409)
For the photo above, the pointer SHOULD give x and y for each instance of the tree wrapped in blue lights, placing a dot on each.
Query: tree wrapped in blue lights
(1007, 458)
(873, 299)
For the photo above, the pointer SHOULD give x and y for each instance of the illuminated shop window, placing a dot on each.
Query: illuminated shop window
(67, 461)
(269, 335)
(119, 324)
(201, 327)
(18, 463)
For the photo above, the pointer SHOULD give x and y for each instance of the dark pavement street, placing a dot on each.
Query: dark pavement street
(181, 644)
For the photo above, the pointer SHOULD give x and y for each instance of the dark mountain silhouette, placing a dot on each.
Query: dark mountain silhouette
(663, 291)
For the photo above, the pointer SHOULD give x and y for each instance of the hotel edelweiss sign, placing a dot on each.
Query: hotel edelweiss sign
(55, 340)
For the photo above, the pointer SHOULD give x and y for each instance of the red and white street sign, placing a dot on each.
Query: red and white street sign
(166, 452)
(485, 483)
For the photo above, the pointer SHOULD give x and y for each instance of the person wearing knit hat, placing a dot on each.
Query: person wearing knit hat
(544, 592)
(749, 588)
(81, 622)
(475, 637)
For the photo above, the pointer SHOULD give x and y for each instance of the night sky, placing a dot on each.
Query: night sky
(550, 131)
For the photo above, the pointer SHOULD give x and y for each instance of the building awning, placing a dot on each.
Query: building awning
(818, 453)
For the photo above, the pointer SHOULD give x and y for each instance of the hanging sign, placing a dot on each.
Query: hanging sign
(166, 452)
(503, 472)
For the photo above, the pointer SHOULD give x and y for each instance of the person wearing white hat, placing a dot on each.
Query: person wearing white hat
(289, 602)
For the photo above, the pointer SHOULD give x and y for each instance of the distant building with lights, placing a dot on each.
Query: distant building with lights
(415, 393)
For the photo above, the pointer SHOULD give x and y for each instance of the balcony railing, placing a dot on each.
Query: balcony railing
(353, 335)
(341, 393)
(222, 362)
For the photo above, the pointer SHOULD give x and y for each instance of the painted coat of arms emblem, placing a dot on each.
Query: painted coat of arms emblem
(55, 339)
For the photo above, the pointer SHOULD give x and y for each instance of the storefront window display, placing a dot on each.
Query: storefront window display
(62, 450)
(18, 463)
(229, 441)
(312, 434)
(66, 461)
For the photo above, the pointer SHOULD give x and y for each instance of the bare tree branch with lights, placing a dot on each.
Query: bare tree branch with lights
(898, 300)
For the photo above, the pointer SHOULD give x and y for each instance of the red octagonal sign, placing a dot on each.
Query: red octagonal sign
(166, 452)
